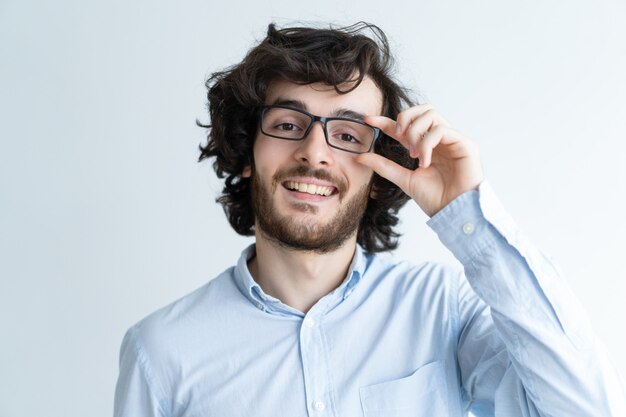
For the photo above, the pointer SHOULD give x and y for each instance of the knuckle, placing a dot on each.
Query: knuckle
(440, 130)
(400, 119)
(431, 112)
(417, 130)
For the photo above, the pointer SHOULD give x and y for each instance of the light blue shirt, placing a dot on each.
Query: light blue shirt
(504, 338)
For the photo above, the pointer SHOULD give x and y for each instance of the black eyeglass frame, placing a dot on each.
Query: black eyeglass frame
(322, 120)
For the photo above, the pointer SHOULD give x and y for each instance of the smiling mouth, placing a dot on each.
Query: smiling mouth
(312, 189)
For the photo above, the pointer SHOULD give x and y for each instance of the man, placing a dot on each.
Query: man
(320, 149)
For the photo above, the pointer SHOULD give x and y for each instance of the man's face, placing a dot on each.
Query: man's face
(307, 195)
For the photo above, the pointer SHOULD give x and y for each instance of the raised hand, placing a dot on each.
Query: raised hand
(449, 163)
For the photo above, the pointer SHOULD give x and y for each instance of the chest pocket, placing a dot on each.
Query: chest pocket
(421, 394)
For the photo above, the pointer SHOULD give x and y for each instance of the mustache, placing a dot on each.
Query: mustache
(304, 171)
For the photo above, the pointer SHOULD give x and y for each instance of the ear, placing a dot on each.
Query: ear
(373, 193)
(247, 172)
(373, 189)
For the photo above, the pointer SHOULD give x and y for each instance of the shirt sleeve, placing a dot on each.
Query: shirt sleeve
(136, 393)
(526, 347)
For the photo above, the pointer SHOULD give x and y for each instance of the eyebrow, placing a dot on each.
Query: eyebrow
(300, 105)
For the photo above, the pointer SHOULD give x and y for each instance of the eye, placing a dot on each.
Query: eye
(287, 127)
(346, 137)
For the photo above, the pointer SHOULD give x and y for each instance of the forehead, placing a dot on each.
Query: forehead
(322, 99)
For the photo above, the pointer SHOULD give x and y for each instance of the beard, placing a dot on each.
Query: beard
(307, 235)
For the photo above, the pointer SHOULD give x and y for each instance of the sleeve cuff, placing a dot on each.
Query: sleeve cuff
(471, 222)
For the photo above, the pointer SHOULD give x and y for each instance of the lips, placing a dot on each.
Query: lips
(313, 189)
(310, 185)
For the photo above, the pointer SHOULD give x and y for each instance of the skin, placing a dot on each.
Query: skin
(449, 166)
(449, 162)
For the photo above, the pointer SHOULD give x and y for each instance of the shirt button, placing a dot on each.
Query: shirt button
(309, 322)
(319, 405)
(260, 306)
(468, 228)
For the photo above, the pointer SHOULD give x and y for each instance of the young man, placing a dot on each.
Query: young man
(319, 147)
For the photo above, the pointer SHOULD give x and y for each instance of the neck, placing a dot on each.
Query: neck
(298, 278)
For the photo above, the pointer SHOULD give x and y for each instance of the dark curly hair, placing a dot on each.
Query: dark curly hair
(303, 55)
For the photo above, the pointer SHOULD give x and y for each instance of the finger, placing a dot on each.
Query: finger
(426, 146)
(384, 123)
(416, 131)
(386, 168)
(387, 126)
(440, 135)
(406, 117)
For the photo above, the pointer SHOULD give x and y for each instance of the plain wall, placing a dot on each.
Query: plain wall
(105, 215)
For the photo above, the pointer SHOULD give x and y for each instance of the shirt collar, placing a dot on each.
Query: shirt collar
(251, 290)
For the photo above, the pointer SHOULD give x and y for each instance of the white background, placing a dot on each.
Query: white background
(106, 216)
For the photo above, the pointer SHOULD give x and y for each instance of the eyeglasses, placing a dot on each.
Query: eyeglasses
(342, 133)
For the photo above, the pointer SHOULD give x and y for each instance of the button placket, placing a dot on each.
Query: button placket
(314, 366)
(319, 405)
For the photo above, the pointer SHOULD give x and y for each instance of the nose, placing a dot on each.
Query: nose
(313, 149)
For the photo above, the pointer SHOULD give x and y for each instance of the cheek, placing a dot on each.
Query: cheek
(270, 153)
(262, 153)
(358, 174)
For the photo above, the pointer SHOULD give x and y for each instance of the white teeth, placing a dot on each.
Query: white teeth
(309, 188)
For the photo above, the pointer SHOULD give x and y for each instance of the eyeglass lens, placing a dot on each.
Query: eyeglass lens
(292, 124)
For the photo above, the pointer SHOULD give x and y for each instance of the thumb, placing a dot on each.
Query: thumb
(386, 168)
